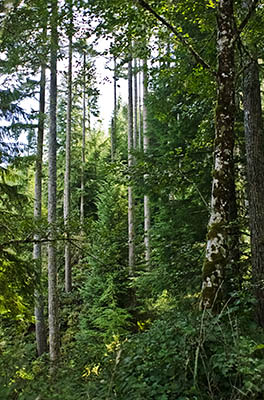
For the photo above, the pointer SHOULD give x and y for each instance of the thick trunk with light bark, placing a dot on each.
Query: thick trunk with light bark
(254, 137)
(222, 196)
(52, 183)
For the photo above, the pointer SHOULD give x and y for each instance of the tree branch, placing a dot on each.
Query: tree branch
(181, 39)
(251, 9)
(29, 240)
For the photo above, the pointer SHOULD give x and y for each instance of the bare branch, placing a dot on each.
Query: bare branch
(180, 37)
(251, 9)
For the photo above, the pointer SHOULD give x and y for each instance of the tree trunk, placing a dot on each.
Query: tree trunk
(254, 137)
(146, 145)
(140, 123)
(67, 175)
(217, 251)
(135, 105)
(131, 216)
(83, 144)
(41, 338)
(52, 183)
(113, 125)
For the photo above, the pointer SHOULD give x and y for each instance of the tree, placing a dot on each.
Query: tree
(217, 250)
(135, 105)
(254, 140)
(67, 175)
(113, 122)
(39, 307)
(131, 211)
(255, 156)
(83, 141)
(146, 146)
(52, 186)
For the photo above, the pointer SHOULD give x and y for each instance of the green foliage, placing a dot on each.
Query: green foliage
(105, 290)
(17, 270)
(123, 337)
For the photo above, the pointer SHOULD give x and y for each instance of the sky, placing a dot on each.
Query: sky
(106, 87)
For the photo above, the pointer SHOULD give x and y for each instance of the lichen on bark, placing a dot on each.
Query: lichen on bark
(223, 193)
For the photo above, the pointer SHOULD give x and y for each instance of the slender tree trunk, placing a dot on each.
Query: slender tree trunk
(131, 212)
(41, 338)
(67, 175)
(135, 106)
(52, 183)
(217, 251)
(113, 127)
(254, 136)
(146, 146)
(83, 144)
(140, 127)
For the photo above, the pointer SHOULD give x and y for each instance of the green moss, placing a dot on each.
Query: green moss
(209, 267)
(218, 174)
(215, 229)
(209, 295)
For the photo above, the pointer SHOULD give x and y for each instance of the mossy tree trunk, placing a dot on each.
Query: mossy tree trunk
(222, 196)
(254, 137)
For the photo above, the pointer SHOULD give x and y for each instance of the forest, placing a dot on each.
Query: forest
(132, 256)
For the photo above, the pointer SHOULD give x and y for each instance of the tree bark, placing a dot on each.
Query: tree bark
(131, 212)
(254, 138)
(146, 146)
(83, 144)
(135, 106)
(140, 111)
(113, 125)
(40, 328)
(217, 251)
(52, 183)
(67, 175)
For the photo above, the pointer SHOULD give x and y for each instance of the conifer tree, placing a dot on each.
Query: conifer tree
(113, 122)
(83, 141)
(67, 175)
(131, 206)
(54, 346)
(146, 146)
(39, 311)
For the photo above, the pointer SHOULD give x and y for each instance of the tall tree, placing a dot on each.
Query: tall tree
(39, 307)
(113, 124)
(131, 206)
(254, 137)
(217, 250)
(83, 141)
(146, 146)
(140, 111)
(67, 175)
(52, 189)
(135, 106)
